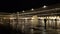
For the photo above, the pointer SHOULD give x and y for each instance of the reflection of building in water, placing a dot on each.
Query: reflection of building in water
(48, 18)
(51, 21)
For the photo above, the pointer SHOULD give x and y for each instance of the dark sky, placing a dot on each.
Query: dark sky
(19, 5)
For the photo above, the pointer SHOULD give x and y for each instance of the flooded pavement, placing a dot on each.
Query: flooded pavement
(39, 30)
(43, 31)
(28, 26)
(52, 31)
(35, 32)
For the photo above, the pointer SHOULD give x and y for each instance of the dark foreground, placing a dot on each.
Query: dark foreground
(9, 30)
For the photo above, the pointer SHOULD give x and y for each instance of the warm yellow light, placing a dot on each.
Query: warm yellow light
(12, 18)
(58, 17)
(34, 20)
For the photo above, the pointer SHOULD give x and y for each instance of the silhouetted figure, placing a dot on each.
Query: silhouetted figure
(45, 23)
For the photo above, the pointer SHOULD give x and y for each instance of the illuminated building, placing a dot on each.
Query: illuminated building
(46, 17)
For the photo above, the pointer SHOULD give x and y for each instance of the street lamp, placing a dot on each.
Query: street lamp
(44, 6)
(32, 9)
(23, 11)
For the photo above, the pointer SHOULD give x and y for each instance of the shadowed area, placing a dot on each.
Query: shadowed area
(7, 29)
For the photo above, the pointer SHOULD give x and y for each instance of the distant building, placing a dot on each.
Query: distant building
(48, 17)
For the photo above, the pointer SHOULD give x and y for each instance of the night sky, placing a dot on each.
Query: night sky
(19, 5)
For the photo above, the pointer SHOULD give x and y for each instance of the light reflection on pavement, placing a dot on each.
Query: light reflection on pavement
(43, 31)
(51, 31)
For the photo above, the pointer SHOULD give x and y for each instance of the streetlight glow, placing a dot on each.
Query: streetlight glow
(44, 6)
(32, 9)
(23, 11)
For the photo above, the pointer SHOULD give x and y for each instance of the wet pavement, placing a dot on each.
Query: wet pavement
(47, 31)
(8, 30)
(52, 31)
(44, 31)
